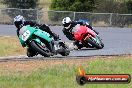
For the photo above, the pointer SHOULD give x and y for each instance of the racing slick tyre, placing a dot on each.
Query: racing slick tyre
(40, 49)
(93, 43)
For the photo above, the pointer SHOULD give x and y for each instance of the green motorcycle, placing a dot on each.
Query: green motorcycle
(40, 42)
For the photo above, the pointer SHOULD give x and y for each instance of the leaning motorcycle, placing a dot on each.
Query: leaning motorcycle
(87, 37)
(40, 42)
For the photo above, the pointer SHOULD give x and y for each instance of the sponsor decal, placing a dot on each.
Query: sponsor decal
(83, 78)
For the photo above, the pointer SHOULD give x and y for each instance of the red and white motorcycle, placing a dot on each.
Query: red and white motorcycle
(88, 37)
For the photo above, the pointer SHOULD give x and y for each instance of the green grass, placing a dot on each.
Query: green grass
(10, 46)
(63, 75)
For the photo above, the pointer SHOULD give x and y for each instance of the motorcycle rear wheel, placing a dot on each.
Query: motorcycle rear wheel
(64, 51)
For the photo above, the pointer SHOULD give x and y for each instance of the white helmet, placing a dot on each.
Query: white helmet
(66, 22)
(19, 18)
(19, 21)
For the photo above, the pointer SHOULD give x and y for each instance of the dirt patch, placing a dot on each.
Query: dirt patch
(32, 65)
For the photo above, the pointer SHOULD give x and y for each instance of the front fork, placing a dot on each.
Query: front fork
(96, 39)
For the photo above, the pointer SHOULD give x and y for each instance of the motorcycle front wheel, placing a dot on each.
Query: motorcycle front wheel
(39, 48)
(93, 43)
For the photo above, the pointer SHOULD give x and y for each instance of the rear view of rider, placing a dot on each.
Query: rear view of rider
(19, 22)
(68, 28)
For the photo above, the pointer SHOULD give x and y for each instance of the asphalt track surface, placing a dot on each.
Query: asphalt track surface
(117, 41)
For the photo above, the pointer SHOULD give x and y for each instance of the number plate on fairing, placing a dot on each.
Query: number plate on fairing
(24, 33)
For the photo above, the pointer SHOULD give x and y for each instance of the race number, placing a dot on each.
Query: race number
(25, 35)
